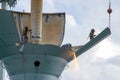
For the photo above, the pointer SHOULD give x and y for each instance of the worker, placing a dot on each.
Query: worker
(25, 33)
(91, 35)
(67, 46)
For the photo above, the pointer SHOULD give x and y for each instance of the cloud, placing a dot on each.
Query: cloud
(23, 6)
(93, 69)
(107, 49)
(73, 31)
(114, 61)
(49, 6)
(109, 72)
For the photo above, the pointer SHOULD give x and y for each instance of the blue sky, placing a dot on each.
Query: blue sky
(102, 62)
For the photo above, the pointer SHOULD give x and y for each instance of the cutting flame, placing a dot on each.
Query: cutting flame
(76, 67)
(76, 64)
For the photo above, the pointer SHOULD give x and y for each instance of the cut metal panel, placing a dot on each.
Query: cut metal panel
(69, 56)
(105, 33)
(22, 20)
(53, 26)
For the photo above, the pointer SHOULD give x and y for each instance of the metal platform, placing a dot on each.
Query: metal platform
(105, 33)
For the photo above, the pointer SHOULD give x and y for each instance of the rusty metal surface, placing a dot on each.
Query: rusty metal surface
(52, 29)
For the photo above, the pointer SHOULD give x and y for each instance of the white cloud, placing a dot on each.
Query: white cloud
(73, 31)
(70, 21)
(106, 49)
(92, 68)
(110, 72)
(49, 6)
(114, 61)
(23, 5)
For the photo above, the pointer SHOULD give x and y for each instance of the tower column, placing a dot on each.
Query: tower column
(36, 20)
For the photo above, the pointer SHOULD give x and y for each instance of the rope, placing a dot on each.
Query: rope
(109, 15)
(109, 21)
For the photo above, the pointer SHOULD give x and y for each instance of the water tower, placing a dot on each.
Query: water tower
(42, 57)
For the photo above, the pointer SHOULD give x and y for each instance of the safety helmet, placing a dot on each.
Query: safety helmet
(92, 30)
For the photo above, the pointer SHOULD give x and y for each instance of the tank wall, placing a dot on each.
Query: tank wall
(49, 65)
(33, 77)
(22, 20)
(53, 26)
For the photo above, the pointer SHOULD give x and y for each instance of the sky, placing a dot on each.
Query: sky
(102, 62)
